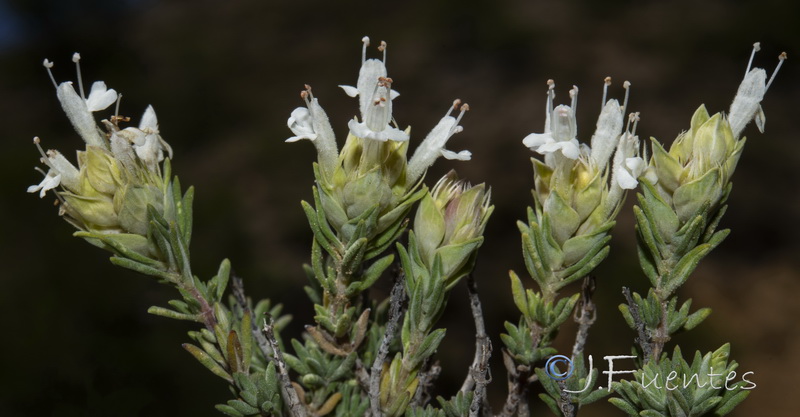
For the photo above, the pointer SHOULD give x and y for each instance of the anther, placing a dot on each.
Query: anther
(45, 159)
(365, 41)
(551, 95)
(573, 94)
(382, 48)
(782, 57)
(48, 65)
(76, 58)
(756, 48)
(606, 84)
(627, 86)
(463, 108)
(632, 118)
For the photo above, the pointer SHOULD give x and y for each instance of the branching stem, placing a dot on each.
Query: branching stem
(396, 301)
(642, 340)
(479, 374)
(288, 392)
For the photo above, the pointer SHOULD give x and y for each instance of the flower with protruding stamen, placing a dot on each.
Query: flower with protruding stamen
(697, 169)
(118, 177)
(375, 96)
(372, 169)
(433, 146)
(575, 200)
(311, 122)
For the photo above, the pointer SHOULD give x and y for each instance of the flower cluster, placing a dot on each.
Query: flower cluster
(118, 174)
(576, 202)
(372, 169)
(694, 174)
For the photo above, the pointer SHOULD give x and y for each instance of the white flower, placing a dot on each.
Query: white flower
(100, 97)
(311, 122)
(627, 174)
(146, 141)
(561, 129)
(558, 136)
(746, 105)
(375, 96)
(544, 143)
(79, 109)
(51, 180)
(60, 172)
(609, 127)
(300, 124)
(433, 146)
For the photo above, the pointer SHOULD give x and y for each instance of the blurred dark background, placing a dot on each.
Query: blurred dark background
(223, 78)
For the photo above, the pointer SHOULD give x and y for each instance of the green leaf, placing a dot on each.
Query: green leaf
(731, 403)
(208, 362)
(228, 410)
(171, 314)
(374, 271)
(351, 260)
(518, 293)
(429, 345)
(143, 269)
(696, 318)
(685, 267)
(223, 275)
(586, 269)
(185, 215)
(624, 406)
(243, 407)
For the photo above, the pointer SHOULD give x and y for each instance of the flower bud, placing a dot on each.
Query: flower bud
(450, 222)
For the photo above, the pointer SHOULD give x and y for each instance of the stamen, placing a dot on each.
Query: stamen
(756, 48)
(455, 106)
(606, 84)
(627, 86)
(76, 58)
(306, 95)
(551, 95)
(782, 57)
(382, 48)
(632, 118)
(456, 128)
(48, 65)
(365, 41)
(116, 109)
(573, 94)
(45, 159)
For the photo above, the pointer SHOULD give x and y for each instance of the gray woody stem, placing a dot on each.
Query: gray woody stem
(287, 390)
(241, 299)
(641, 339)
(396, 300)
(585, 315)
(479, 373)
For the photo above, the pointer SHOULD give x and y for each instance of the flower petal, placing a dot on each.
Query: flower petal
(149, 122)
(460, 156)
(625, 180)
(349, 90)
(48, 183)
(534, 140)
(100, 97)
